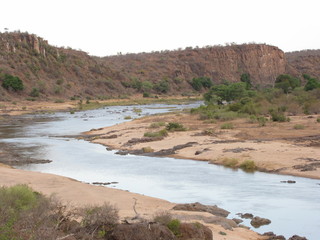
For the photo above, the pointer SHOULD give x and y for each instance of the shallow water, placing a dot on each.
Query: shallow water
(292, 208)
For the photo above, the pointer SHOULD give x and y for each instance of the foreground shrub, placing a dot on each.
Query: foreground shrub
(163, 217)
(174, 226)
(25, 214)
(101, 218)
(248, 165)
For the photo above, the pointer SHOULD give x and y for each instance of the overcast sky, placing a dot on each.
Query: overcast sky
(106, 27)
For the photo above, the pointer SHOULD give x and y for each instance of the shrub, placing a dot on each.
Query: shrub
(161, 133)
(99, 217)
(127, 117)
(318, 119)
(163, 217)
(248, 165)
(262, 121)
(227, 126)
(12, 83)
(147, 150)
(174, 126)
(157, 124)
(174, 226)
(299, 127)
(201, 82)
(34, 92)
(230, 162)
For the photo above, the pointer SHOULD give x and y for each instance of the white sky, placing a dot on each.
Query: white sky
(106, 27)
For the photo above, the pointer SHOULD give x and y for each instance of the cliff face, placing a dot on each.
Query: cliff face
(264, 63)
(62, 73)
(307, 61)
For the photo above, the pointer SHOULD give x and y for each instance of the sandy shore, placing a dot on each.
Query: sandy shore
(75, 194)
(277, 147)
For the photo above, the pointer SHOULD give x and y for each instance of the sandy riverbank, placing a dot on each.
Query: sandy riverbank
(277, 147)
(77, 194)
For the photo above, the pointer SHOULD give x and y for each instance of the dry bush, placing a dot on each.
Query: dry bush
(95, 217)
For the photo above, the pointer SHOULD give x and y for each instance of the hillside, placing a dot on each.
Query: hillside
(306, 61)
(49, 72)
(264, 63)
(55, 72)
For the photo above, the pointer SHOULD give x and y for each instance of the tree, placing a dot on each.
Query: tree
(226, 92)
(245, 78)
(312, 84)
(12, 83)
(287, 83)
(201, 82)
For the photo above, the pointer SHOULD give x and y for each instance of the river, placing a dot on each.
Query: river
(292, 208)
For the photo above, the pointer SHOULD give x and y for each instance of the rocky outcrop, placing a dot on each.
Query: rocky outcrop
(198, 207)
(304, 62)
(263, 62)
(258, 222)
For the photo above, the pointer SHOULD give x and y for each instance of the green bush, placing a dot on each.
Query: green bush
(34, 92)
(174, 126)
(161, 133)
(230, 162)
(248, 165)
(174, 226)
(227, 126)
(318, 120)
(299, 127)
(147, 150)
(201, 82)
(157, 124)
(10, 82)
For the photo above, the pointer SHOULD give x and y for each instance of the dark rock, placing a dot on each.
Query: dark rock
(237, 220)
(238, 150)
(141, 231)
(245, 215)
(226, 223)
(243, 226)
(198, 207)
(258, 222)
(194, 231)
(296, 237)
(289, 181)
(171, 151)
(122, 152)
(273, 236)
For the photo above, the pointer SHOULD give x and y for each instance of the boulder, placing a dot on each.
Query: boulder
(198, 207)
(258, 222)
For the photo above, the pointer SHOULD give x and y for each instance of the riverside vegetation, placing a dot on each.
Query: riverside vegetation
(26, 214)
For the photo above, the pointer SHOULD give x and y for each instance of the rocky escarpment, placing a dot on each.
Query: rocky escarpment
(63, 72)
(54, 72)
(264, 63)
(304, 62)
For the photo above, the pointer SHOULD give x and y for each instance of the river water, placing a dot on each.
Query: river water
(292, 208)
